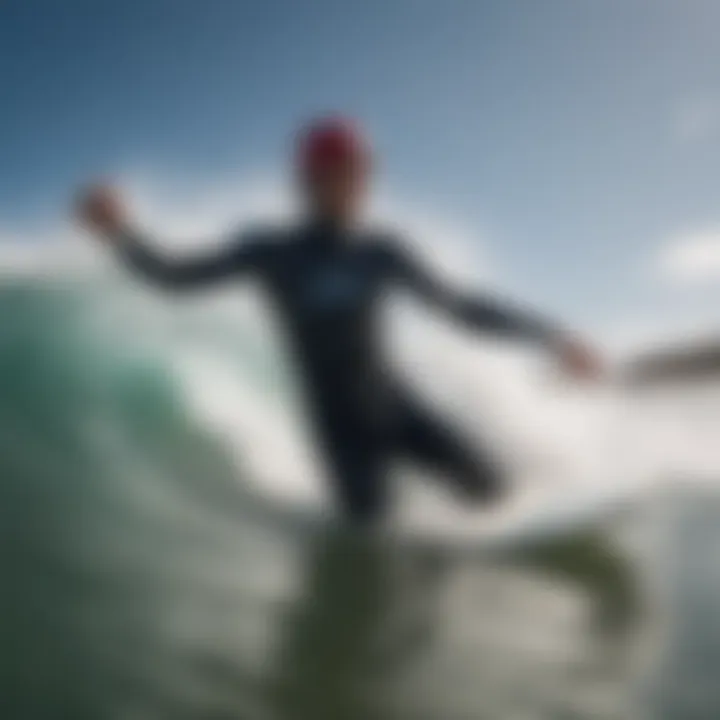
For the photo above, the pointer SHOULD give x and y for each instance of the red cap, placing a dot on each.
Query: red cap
(330, 142)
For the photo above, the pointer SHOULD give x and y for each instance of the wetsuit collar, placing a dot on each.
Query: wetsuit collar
(325, 232)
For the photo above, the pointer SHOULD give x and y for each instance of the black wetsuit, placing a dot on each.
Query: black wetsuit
(326, 286)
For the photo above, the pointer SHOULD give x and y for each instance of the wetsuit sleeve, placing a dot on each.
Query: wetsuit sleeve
(478, 311)
(242, 255)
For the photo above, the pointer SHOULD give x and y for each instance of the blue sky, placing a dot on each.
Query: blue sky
(581, 139)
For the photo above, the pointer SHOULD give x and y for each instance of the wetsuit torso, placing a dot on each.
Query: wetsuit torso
(327, 286)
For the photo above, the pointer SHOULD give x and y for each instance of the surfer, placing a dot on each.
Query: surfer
(326, 278)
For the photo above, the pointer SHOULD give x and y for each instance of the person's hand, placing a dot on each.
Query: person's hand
(100, 208)
(578, 360)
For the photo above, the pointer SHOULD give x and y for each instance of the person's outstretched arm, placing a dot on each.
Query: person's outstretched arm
(237, 257)
(102, 210)
(483, 312)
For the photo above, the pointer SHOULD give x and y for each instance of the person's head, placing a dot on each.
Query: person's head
(333, 167)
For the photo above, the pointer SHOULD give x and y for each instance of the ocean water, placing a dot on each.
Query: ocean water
(140, 583)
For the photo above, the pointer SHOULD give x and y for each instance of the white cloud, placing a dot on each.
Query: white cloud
(692, 258)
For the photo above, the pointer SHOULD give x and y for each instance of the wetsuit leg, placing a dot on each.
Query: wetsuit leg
(431, 442)
(357, 464)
